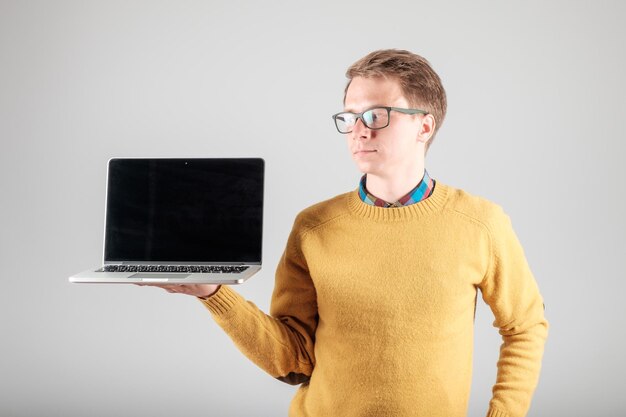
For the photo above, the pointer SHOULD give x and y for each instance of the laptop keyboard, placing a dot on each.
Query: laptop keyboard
(224, 269)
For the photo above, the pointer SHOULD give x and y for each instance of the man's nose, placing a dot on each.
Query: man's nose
(360, 130)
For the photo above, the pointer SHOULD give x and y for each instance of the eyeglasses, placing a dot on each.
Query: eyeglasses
(374, 118)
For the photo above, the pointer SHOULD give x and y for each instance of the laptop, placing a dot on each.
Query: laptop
(181, 221)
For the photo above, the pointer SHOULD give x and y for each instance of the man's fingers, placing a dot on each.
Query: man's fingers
(186, 289)
(168, 288)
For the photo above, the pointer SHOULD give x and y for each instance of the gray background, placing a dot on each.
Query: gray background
(535, 123)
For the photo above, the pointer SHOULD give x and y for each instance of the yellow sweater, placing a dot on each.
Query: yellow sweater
(373, 309)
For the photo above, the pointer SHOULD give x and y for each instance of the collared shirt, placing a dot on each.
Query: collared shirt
(422, 191)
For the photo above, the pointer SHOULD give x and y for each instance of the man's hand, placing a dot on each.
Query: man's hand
(196, 290)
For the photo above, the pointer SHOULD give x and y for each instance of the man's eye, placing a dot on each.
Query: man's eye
(370, 117)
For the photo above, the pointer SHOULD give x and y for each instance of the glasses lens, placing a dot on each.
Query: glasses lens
(376, 118)
(345, 122)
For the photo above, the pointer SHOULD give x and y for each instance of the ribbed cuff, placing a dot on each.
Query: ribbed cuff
(494, 412)
(222, 301)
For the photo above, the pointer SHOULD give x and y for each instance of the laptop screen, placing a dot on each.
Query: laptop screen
(184, 210)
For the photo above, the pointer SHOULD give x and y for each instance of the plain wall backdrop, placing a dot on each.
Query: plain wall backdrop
(535, 123)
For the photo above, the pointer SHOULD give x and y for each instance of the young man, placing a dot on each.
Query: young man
(375, 294)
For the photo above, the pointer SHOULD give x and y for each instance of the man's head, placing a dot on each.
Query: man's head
(419, 83)
(393, 105)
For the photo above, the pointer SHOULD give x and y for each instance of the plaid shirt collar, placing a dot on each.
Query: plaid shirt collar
(422, 191)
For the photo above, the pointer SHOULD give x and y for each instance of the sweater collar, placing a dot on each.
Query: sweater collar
(420, 192)
(425, 207)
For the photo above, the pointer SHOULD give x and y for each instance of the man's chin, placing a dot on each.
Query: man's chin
(367, 169)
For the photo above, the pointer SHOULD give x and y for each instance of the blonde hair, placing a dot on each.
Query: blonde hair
(420, 84)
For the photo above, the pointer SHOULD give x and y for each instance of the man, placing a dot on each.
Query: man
(375, 294)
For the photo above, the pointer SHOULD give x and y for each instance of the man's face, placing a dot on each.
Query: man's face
(394, 150)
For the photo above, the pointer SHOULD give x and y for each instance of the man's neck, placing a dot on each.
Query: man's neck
(391, 188)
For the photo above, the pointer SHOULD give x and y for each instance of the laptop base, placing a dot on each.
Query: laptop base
(91, 276)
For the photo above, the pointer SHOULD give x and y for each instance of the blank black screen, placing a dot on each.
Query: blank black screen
(184, 210)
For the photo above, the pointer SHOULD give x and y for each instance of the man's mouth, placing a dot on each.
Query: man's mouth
(364, 151)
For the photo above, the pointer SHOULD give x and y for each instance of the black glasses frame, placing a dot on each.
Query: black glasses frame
(360, 116)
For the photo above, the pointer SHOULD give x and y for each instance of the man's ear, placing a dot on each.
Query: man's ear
(427, 128)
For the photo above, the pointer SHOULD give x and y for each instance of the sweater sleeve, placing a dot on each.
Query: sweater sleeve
(280, 343)
(511, 292)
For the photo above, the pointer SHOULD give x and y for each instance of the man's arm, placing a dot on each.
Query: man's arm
(281, 343)
(510, 290)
